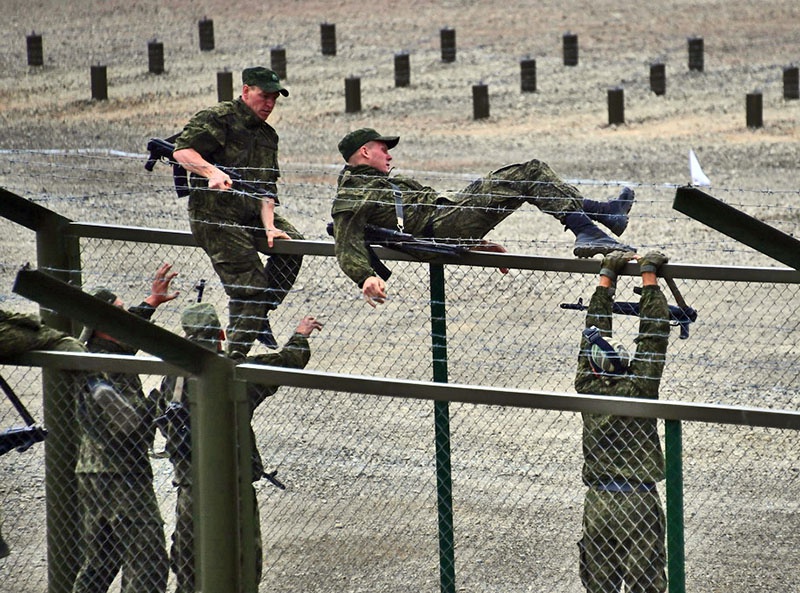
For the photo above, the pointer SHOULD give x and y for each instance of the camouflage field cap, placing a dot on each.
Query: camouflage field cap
(105, 295)
(265, 79)
(358, 138)
(200, 322)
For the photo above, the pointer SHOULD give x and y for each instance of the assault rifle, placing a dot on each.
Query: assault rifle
(19, 438)
(679, 316)
(161, 150)
(400, 241)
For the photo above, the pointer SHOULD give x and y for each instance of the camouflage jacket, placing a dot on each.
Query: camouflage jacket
(232, 135)
(620, 447)
(366, 196)
(101, 449)
(295, 354)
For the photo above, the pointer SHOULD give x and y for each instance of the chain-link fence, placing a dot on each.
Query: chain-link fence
(359, 511)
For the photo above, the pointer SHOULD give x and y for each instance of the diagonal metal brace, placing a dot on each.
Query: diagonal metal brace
(738, 225)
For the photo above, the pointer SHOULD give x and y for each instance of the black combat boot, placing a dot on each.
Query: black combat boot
(612, 214)
(590, 240)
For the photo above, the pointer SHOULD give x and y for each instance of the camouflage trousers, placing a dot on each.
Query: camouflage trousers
(474, 211)
(253, 288)
(623, 541)
(123, 531)
(182, 549)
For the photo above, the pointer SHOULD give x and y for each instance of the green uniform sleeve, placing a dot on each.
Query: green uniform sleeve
(294, 355)
(599, 315)
(204, 133)
(651, 343)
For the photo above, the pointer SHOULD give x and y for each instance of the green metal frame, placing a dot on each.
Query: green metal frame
(220, 411)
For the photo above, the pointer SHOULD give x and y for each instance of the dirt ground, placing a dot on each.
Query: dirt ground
(565, 123)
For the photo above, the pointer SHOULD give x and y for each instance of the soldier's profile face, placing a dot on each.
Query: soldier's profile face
(261, 102)
(377, 155)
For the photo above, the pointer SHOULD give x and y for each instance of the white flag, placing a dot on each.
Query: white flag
(698, 177)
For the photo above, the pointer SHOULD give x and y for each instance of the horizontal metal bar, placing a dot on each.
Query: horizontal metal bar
(453, 392)
(124, 326)
(474, 258)
(85, 361)
(27, 213)
(546, 400)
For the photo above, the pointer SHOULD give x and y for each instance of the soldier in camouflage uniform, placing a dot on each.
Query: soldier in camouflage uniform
(623, 521)
(201, 324)
(123, 528)
(23, 332)
(235, 134)
(367, 195)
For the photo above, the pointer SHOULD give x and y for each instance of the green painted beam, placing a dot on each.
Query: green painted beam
(738, 225)
(68, 300)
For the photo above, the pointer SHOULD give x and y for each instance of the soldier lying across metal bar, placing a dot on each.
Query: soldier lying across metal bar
(366, 195)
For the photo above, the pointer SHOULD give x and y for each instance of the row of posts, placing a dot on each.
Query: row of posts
(480, 94)
(328, 43)
(448, 51)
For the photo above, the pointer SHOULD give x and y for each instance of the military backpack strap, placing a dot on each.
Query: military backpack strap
(398, 206)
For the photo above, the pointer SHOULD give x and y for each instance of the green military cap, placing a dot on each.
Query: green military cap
(200, 322)
(265, 79)
(358, 138)
(105, 295)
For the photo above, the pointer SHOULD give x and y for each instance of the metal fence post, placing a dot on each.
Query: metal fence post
(216, 476)
(676, 559)
(59, 254)
(441, 412)
(247, 497)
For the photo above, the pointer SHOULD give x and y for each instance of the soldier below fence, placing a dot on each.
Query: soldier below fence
(201, 324)
(366, 195)
(236, 134)
(123, 528)
(623, 521)
(22, 332)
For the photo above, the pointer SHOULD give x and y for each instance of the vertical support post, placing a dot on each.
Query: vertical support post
(215, 469)
(616, 106)
(444, 478)
(791, 83)
(35, 49)
(328, 38)
(447, 38)
(480, 101)
(696, 53)
(99, 83)
(676, 559)
(277, 56)
(570, 42)
(206, 31)
(247, 497)
(754, 110)
(352, 94)
(527, 69)
(225, 85)
(658, 79)
(155, 57)
(59, 255)
(402, 69)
